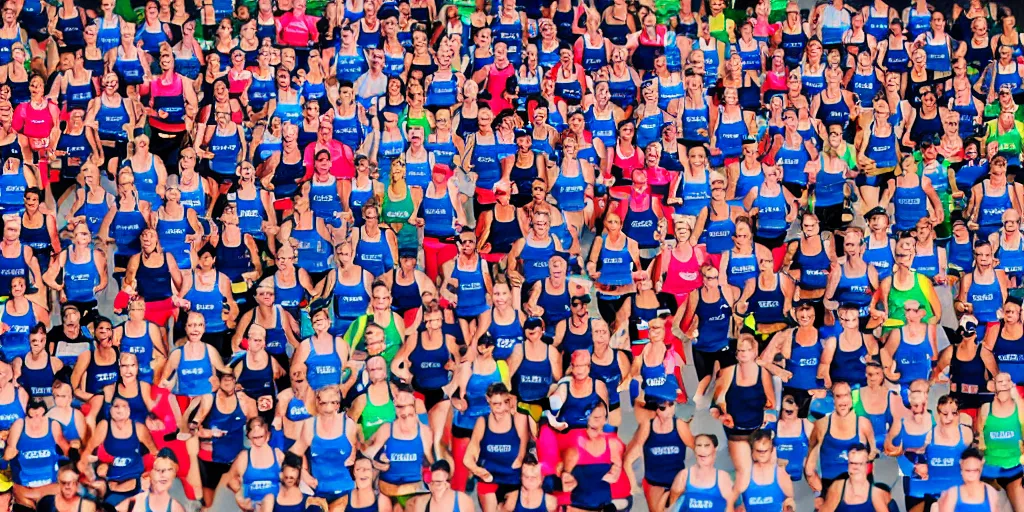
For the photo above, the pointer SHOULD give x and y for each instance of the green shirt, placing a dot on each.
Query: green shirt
(1002, 440)
(398, 212)
(920, 292)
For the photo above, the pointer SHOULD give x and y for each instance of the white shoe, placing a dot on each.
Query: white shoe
(700, 403)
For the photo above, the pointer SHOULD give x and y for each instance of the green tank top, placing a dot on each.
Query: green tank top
(719, 28)
(899, 297)
(1002, 440)
(398, 212)
(392, 341)
(420, 121)
(465, 7)
(1009, 142)
(664, 10)
(376, 415)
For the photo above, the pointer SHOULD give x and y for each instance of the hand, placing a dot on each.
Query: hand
(516, 278)
(485, 475)
(459, 404)
(921, 470)
(785, 375)
(155, 425)
(893, 451)
(568, 482)
(727, 420)
(814, 482)
(243, 502)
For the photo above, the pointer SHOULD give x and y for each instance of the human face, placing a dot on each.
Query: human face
(195, 326)
(704, 450)
(762, 451)
(970, 470)
(843, 399)
(467, 244)
(381, 299)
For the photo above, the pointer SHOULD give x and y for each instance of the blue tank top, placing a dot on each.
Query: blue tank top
(913, 360)
(406, 456)
(260, 482)
(715, 319)
(615, 265)
(127, 455)
(506, 336)
(472, 293)
(350, 302)
(987, 299)
(288, 298)
(225, 149)
(703, 498)
(533, 379)
(740, 269)
(576, 410)
(834, 459)
(751, 415)
(766, 305)
(171, 234)
(37, 381)
(375, 256)
(208, 303)
(325, 454)
(928, 264)
(664, 456)
(962, 506)
(153, 284)
(696, 118)
(36, 463)
(323, 369)
(990, 213)
(142, 347)
(911, 205)
(194, 375)
(794, 451)
(943, 467)
(908, 441)
(803, 363)
(128, 68)
(498, 452)
(314, 252)
(1009, 356)
(535, 260)
(793, 162)
(771, 214)
(764, 497)
(438, 216)
(813, 269)
(880, 257)
(80, 279)
(127, 226)
(476, 399)
(428, 366)
(14, 343)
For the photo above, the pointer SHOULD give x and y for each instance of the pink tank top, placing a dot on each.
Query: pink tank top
(627, 163)
(36, 124)
(683, 276)
(496, 81)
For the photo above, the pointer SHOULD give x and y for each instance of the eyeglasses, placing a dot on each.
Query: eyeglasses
(464, 241)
